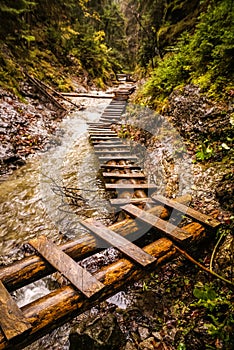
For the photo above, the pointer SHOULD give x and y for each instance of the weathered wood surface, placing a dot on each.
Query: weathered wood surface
(165, 227)
(111, 145)
(124, 201)
(104, 137)
(107, 142)
(132, 158)
(124, 176)
(102, 133)
(12, 319)
(121, 166)
(130, 186)
(110, 117)
(113, 239)
(100, 125)
(75, 94)
(63, 263)
(121, 153)
(190, 212)
(110, 120)
(34, 267)
(60, 306)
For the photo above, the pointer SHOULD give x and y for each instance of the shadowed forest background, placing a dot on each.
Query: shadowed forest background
(173, 42)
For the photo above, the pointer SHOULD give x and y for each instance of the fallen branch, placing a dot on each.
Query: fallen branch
(45, 92)
(58, 94)
(211, 272)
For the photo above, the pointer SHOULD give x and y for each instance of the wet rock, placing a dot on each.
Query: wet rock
(99, 332)
(130, 346)
(24, 127)
(196, 116)
(148, 344)
(143, 332)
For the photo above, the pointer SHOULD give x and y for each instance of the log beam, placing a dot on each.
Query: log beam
(32, 268)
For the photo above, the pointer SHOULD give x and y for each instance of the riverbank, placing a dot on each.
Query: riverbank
(26, 126)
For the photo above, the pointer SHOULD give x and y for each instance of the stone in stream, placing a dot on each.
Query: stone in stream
(97, 333)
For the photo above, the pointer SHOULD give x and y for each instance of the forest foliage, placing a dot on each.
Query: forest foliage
(54, 39)
(202, 56)
(173, 42)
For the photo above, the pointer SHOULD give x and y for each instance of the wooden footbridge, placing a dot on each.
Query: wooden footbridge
(144, 210)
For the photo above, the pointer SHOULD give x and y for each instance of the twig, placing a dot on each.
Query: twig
(214, 251)
(184, 253)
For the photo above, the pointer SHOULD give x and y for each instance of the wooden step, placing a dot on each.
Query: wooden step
(123, 201)
(117, 158)
(107, 142)
(124, 176)
(163, 226)
(114, 152)
(12, 320)
(110, 119)
(98, 124)
(120, 166)
(115, 240)
(96, 129)
(111, 114)
(78, 276)
(111, 145)
(130, 186)
(114, 138)
(102, 133)
(190, 212)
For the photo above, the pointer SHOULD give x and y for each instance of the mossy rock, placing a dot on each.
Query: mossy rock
(97, 333)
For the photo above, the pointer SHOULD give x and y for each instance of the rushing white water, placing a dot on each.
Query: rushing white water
(29, 207)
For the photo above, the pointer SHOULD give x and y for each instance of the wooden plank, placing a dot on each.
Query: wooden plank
(106, 159)
(110, 119)
(122, 244)
(124, 176)
(190, 212)
(96, 129)
(103, 138)
(102, 133)
(97, 124)
(62, 262)
(113, 152)
(130, 186)
(74, 94)
(12, 320)
(120, 166)
(124, 201)
(111, 114)
(111, 145)
(107, 142)
(163, 226)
